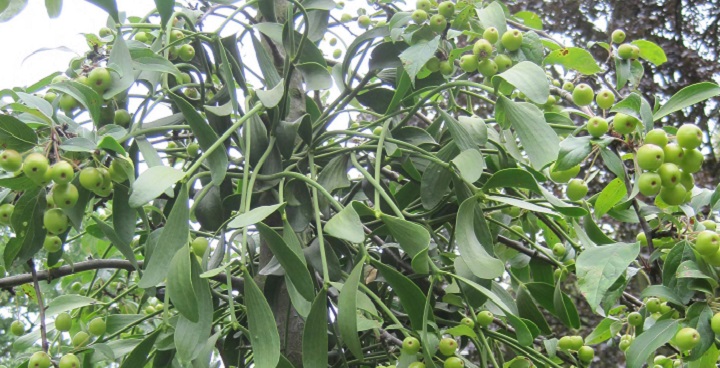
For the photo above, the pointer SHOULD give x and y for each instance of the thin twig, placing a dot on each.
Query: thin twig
(41, 306)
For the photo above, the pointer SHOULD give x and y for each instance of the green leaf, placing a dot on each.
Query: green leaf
(435, 180)
(461, 136)
(346, 225)
(645, 345)
(109, 143)
(206, 137)
(179, 285)
(83, 94)
(538, 139)
(315, 333)
(688, 96)
(264, 336)
(272, 96)
(622, 72)
(175, 235)
(651, 51)
(16, 135)
(11, 8)
(528, 309)
(190, 337)
(574, 58)
(145, 59)
(78, 144)
(610, 196)
(152, 183)
(141, 354)
(522, 332)
(708, 359)
(630, 105)
(110, 233)
(415, 56)
(120, 63)
(530, 19)
(698, 316)
(27, 222)
(493, 15)
(522, 204)
(294, 267)
(512, 178)
(347, 312)
(254, 216)
(661, 291)
(470, 163)
(410, 295)
(485, 266)
(165, 9)
(564, 308)
(65, 303)
(573, 151)
(600, 267)
(109, 6)
(53, 8)
(528, 78)
(414, 239)
(605, 330)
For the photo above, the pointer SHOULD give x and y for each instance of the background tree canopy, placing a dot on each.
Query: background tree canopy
(317, 184)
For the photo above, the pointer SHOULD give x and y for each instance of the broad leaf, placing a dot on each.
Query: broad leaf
(599, 268)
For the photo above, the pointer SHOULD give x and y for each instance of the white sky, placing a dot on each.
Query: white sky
(32, 30)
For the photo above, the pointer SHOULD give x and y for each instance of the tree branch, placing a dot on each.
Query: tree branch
(41, 305)
(96, 264)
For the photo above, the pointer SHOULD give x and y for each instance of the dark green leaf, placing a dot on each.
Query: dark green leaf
(179, 285)
(645, 345)
(315, 333)
(109, 6)
(410, 295)
(599, 268)
(346, 225)
(564, 308)
(538, 139)
(175, 235)
(414, 239)
(206, 137)
(688, 96)
(254, 216)
(471, 250)
(573, 151)
(83, 94)
(415, 56)
(190, 337)
(264, 336)
(294, 267)
(165, 9)
(347, 312)
(110, 233)
(27, 222)
(16, 135)
(141, 354)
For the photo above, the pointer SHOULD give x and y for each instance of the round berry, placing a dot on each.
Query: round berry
(689, 136)
(687, 338)
(52, 244)
(484, 318)
(618, 36)
(635, 318)
(491, 34)
(576, 189)
(97, 326)
(649, 184)
(605, 99)
(583, 94)
(597, 126)
(17, 328)
(10, 160)
(650, 157)
(447, 346)
(707, 243)
(624, 124)
(411, 345)
(63, 322)
(55, 221)
(512, 40)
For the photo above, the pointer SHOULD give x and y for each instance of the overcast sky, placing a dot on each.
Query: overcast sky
(33, 30)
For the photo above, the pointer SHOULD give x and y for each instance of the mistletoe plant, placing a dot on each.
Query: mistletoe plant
(284, 184)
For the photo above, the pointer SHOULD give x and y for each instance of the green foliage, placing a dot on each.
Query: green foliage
(277, 208)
